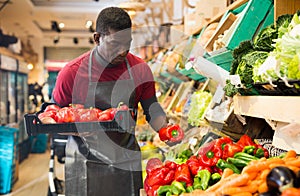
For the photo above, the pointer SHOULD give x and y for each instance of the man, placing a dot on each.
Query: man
(107, 162)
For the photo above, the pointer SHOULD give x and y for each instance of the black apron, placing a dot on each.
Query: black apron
(104, 162)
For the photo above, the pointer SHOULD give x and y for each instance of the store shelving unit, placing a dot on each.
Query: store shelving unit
(277, 108)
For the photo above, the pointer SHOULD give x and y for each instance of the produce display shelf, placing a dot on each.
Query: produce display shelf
(277, 108)
(123, 122)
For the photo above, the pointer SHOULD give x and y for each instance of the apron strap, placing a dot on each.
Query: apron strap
(90, 65)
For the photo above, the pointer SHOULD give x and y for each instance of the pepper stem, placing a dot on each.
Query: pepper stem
(174, 133)
(210, 154)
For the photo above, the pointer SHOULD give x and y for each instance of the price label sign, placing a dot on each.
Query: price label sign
(235, 80)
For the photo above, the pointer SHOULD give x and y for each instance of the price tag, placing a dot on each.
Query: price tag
(188, 65)
(235, 80)
(219, 94)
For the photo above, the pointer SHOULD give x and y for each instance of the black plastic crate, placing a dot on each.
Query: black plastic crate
(123, 122)
(279, 88)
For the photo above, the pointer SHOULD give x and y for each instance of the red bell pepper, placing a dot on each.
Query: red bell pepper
(195, 166)
(156, 177)
(245, 140)
(106, 115)
(210, 156)
(49, 113)
(153, 164)
(65, 115)
(112, 112)
(182, 174)
(222, 141)
(215, 169)
(52, 107)
(171, 165)
(261, 148)
(97, 111)
(171, 133)
(169, 178)
(230, 149)
(88, 115)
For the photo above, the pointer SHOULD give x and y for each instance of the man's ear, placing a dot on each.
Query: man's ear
(97, 38)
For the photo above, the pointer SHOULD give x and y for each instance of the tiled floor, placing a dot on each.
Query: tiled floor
(33, 175)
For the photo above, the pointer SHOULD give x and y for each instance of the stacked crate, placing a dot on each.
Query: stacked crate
(8, 157)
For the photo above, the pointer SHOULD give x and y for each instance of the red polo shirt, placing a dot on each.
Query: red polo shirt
(72, 81)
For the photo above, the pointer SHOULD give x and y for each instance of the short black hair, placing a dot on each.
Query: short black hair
(112, 18)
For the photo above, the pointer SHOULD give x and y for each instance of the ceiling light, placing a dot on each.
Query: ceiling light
(30, 66)
(88, 24)
(61, 25)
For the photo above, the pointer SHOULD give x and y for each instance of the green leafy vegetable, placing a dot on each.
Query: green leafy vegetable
(199, 102)
(245, 68)
(264, 40)
(230, 89)
(237, 54)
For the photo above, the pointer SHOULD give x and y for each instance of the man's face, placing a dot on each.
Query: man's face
(115, 46)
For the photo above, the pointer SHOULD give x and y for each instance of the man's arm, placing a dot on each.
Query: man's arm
(154, 113)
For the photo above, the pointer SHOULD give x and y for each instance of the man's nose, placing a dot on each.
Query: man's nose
(123, 51)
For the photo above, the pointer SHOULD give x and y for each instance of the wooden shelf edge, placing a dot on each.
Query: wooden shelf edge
(277, 108)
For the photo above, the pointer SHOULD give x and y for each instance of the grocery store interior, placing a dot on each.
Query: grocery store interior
(226, 71)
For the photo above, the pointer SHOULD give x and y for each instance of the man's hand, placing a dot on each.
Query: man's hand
(171, 134)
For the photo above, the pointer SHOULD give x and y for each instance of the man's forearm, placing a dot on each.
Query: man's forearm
(155, 114)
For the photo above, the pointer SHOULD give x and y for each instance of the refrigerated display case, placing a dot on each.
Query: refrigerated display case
(22, 90)
(3, 97)
(12, 96)
(8, 69)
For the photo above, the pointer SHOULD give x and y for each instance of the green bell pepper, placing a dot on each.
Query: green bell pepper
(222, 164)
(197, 183)
(244, 156)
(249, 149)
(204, 175)
(177, 188)
(189, 189)
(240, 163)
(163, 190)
(259, 153)
(215, 177)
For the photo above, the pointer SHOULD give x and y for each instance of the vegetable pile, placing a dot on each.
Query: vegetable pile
(77, 113)
(263, 177)
(272, 55)
(203, 170)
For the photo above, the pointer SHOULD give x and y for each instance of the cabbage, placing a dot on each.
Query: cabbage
(199, 102)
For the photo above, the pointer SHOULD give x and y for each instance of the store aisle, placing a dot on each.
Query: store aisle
(33, 175)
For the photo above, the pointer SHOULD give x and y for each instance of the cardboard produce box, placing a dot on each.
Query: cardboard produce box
(210, 8)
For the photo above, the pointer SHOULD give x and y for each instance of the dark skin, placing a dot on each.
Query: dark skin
(113, 46)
